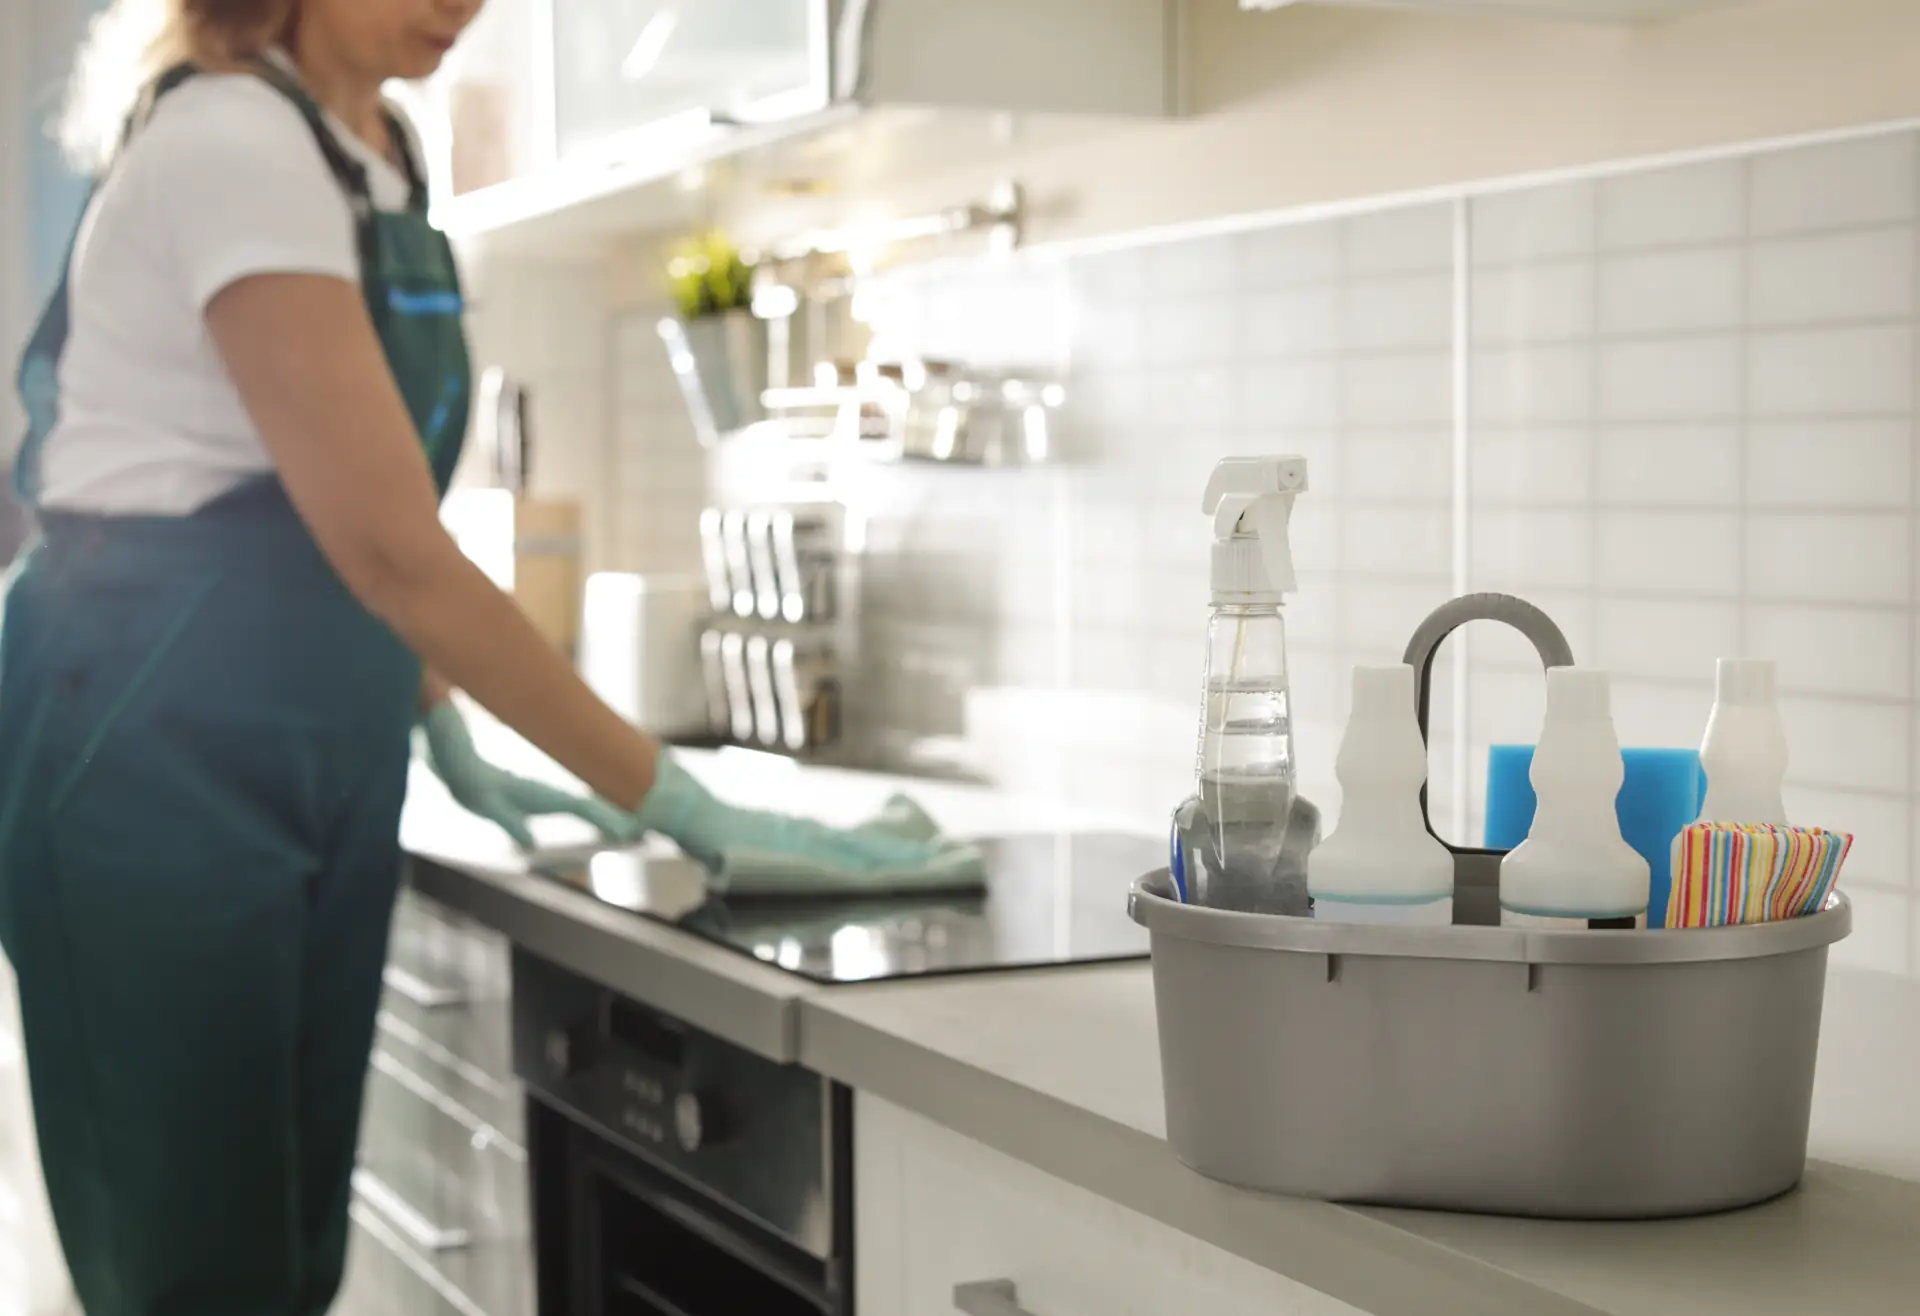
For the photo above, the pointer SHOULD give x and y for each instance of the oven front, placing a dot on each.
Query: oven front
(673, 1173)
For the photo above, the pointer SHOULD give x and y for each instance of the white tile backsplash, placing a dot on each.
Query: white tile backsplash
(1834, 372)
(1847, 745)
(1663, 638)
(1686, 465)
(1400, 390)
(1388, 314)
(1289, 254)
(1689, 432)
(1533, 224)
(1838, 185)
(1295, 321)
(1398, 241)
(1533, 303)
(1671, 291)
(1531, 466)
(1833, 277)
(1862, 557)
(1830, 464)
(1687, 205)
(1670, 379)
(1394, 540)
(1531, 385)
(1515, 550)
(1408, 466)
(1882, 828)
(1659, 552)
(1836, 651)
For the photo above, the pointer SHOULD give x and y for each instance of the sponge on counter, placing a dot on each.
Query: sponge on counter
(952, 865)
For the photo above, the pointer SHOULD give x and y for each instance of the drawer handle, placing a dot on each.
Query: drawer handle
(420, 1231)
(477, 1130)
(416, 990)
(993, 1297)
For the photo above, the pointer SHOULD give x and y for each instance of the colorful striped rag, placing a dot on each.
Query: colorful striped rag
(1736, 873)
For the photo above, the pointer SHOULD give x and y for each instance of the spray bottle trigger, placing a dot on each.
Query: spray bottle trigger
(1270, 518)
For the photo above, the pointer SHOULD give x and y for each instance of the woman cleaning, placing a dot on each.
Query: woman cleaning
(244, 402)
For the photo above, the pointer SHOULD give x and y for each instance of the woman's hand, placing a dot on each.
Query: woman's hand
(509, 802)
(684, 811)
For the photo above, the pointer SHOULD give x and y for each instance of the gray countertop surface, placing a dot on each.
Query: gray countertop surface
(1060, 1068)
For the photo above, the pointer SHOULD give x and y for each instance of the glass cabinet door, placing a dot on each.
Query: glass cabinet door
(486, 116)
(621, 65)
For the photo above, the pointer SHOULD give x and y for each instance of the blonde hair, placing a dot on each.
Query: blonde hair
(134, 41)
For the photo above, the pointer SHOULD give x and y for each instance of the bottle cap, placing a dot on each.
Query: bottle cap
(1745, 681)
(1251, 501)
(1580, 692)
(1386, 690)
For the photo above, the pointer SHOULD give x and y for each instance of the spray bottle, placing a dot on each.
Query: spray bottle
(1230, 838)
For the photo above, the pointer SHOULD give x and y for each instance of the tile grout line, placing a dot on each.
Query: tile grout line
(1592, 424)
(1743, 590)
(1462, 508)
(1913, 583)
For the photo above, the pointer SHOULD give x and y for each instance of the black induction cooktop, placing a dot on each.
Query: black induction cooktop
(1050, 900)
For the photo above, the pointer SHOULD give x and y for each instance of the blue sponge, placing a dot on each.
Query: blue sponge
(1663, 792)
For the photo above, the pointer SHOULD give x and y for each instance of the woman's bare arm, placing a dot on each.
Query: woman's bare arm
(309, 367)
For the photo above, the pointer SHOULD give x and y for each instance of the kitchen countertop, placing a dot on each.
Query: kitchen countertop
(1059, 1068)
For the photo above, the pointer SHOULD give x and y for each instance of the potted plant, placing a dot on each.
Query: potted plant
(717, 345)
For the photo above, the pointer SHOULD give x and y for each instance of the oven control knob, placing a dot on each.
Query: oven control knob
(570, 1051)
(697, 1121)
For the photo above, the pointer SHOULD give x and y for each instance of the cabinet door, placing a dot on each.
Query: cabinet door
(626, 65)
(934, 1211)
(487, 116)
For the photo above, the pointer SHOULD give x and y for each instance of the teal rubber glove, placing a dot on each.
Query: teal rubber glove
(507, 801)
(685, 812)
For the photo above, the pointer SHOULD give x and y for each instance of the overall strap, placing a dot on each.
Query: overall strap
(347, 171)
(351, 174)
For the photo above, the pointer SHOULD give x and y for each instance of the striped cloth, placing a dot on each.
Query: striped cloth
(1738, 873)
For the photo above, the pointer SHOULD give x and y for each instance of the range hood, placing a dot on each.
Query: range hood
(1056, 56)
(1580, 11)
(893, 78)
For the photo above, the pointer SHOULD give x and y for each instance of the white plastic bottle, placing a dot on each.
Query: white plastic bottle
(1745, 750)
(1382, 865)
(1245, 793)
(1574, 864)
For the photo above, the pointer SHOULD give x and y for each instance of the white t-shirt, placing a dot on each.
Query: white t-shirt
(225, 181)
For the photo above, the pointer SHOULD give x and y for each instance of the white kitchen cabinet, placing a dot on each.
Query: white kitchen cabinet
(440, 1189)
(564, 120)
(626, 66)
(486, 118)
(934, 1210)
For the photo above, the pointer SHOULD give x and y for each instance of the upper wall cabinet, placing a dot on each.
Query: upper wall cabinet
(630, 65)
(551, 105)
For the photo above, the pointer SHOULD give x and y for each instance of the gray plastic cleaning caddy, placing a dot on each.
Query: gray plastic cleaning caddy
(1601, 1074)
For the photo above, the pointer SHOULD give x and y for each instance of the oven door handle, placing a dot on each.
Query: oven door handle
(417, 991)
(397, 1211)
(993, 1297)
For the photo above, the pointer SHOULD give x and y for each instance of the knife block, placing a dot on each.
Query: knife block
(529, 547)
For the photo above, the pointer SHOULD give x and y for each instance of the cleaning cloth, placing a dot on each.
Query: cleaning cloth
(1736, 873)
(938, 863)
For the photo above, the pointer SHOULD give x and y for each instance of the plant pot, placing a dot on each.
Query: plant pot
(721, 363)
